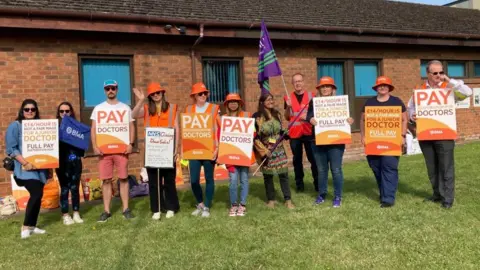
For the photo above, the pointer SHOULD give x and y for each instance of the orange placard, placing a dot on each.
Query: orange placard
(383, 130)
(236, 141)
(112, 130)
(436, 114)
(197, 136)
(331, 114)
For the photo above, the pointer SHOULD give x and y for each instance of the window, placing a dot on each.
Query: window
(354, 78)
(456, 69)
(476, 68)
(334, 70)
(423, 68)
(221, 77)
(94, 70)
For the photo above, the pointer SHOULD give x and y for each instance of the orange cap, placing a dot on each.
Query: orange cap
(325, 80)
(233, 97)
(154, 87)
(198, 88)
(383, 80)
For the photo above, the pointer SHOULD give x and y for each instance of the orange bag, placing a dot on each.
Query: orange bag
(51, 194)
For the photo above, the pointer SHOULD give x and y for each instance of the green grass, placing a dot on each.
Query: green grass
(359, 235)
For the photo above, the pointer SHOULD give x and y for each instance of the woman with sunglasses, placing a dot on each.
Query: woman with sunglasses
(69, 171)
(160, 113)
(268, 125)
(327, 155)
(199, 96)
(25, 173)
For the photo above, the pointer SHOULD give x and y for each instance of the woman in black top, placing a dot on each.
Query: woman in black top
(69, 171)
(385, 168)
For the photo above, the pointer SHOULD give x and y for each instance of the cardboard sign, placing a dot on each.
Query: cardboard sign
(236, 141)
(159, 147)
(197, 136)
(331, 114)
(113, 130)
(436, 114)
(383, 130)
(40, 143)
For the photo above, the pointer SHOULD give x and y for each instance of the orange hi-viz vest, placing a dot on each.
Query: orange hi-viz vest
(300, 127)
(165, 119)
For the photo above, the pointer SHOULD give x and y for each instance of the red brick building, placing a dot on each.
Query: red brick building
(62, 50)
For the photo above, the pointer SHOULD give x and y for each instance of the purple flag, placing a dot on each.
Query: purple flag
(267, 60)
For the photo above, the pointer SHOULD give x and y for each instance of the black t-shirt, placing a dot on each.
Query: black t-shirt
(392, 101)
(299, 99)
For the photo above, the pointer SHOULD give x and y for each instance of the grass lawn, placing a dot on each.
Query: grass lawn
(359, 235)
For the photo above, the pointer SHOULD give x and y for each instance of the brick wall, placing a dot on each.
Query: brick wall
(45, 67)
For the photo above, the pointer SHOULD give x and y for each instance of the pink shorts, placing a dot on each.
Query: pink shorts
(108, 162)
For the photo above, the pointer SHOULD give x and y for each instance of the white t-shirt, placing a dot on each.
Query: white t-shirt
(104, 106)
(202, 109)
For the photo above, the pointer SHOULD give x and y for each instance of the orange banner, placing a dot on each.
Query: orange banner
(383, 130)
(436, 114)
(197, 136)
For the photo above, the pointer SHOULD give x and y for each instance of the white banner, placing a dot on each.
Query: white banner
(40, 143)
(159, 147)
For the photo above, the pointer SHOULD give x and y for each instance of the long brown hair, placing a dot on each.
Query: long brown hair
(233, 113)
(152, 107)
(262, 111)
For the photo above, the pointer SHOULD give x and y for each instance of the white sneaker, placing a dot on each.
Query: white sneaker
(170, 214)
(197, 211)
(25, 234)
(37, 231)
(206, 212)
(156, 216)
(67, 220)
(77, 218)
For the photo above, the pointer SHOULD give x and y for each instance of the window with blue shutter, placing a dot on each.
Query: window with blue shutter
(334, 70)
(476, 68)
(365, 74)
(221, 77)
(456, 69)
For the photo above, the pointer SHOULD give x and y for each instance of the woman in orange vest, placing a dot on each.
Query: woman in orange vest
(160, 113)
(327, 155)
(233, 107)
(268, 124)
(199, 95)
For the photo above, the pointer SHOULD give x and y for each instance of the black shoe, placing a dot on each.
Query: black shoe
(127, 214)
(447, 205)
(432, 199)
(104, 217)
(386, 205)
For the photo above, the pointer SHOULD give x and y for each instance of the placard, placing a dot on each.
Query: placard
(476, 97)
(197, 136)
(236, 141)
(383, 130)
(112, 130)
(436, 114)
(40, 143)
(463, 104)
(331, 114)
(159, 147)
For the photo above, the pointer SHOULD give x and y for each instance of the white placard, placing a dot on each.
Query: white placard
(476, 97)
(331, 114)
(40, 143)
(159, 147)
(463, 104)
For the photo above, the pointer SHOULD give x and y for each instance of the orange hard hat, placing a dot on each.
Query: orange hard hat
(198, 88)
(154, 87)
(233, 97)
(383, 80)
(325, 80)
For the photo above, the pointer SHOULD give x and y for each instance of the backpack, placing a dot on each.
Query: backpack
(8, 206)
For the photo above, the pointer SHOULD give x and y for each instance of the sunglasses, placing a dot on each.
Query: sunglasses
(156, 93)
(64, 111)
(436, 73)
(110, 89)
(202, 94)
(29, 109)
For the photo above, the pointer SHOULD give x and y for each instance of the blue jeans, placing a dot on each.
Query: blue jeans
(195, 167)
(242, 173)
(333, 155)
(385, 169)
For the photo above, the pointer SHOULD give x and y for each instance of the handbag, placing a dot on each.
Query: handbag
(9, 164)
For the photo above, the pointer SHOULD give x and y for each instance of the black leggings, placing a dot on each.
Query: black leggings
(69, 183)
(35, 188)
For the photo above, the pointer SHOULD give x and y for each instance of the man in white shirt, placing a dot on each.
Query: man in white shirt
(438, 155)
(113, 142)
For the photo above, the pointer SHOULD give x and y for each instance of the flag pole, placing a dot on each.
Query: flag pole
(285, 87)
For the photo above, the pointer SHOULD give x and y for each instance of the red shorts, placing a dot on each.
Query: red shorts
(108, 162)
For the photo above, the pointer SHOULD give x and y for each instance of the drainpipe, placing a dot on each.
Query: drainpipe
(192, 54)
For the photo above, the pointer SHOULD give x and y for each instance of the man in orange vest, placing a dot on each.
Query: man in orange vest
(300, 132)
(438, 155)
